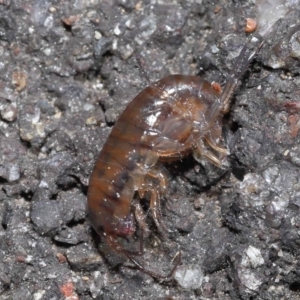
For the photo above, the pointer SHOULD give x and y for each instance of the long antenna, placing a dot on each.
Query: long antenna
(241, 64)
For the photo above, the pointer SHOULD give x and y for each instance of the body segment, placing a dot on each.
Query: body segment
(164, 122)
(169, 119)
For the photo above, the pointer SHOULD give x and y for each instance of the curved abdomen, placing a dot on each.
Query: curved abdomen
(158, 120)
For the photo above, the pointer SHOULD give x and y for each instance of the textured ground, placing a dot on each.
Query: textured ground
(66, 73)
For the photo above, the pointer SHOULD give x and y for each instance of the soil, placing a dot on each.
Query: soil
(67, 71)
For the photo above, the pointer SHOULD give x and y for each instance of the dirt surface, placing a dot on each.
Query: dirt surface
(66, 72)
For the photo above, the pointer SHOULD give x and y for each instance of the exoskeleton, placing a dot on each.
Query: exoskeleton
(166, 121)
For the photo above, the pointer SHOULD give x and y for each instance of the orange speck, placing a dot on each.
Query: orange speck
(294, 123)
(71, 20)
(216, 86)
(61, 258)
(67, 289)
(217, 9)
(292, 106)
(19, 79)
(20, 258)
(251, 25)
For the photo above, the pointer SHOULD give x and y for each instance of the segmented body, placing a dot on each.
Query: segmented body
(175, 116)
(169, 119)
(163, 122)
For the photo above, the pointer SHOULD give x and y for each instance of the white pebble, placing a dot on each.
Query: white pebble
(189, 277)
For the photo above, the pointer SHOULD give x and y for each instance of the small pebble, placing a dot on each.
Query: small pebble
(9, 113)
(189, 277)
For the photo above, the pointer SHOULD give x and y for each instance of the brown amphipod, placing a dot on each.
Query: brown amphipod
(169, 119)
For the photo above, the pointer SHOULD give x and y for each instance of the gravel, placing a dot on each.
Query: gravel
(67, 70)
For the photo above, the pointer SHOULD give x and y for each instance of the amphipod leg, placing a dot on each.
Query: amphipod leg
(111, 241)
(214, 146)
(214, 137)
(155, 208)
(156, 213)
(201, 151)
(140, 217)
(161, 176)
(155, 275)
(223, 152)
(170, 150)
(119, 248)
(155, 197)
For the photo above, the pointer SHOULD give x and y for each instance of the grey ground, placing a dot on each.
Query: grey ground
(66, 73)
